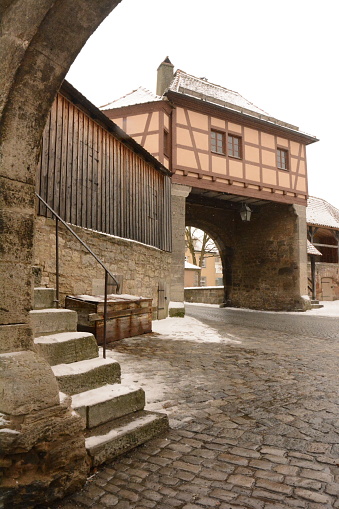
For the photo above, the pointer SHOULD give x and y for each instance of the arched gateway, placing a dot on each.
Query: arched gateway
(228, 157)
(243, 157)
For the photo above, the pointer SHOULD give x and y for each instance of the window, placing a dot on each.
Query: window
(282, 159)
(203, 281)
(166, 143)
(218, 142)
(203, 264)
(234, 146)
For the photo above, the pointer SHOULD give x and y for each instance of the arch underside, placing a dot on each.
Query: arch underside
(259, 258)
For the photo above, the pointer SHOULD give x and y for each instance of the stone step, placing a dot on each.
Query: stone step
(51, 321)
(85, 375)
(67, 347)
(44, 298)
(317, 306)
(112, 439)
(103, 404)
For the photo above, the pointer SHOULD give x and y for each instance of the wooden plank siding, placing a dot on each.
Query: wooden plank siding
(93, 180)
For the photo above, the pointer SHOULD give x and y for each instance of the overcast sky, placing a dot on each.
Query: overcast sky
(280, 55)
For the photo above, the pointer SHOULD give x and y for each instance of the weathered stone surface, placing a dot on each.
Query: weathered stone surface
(49, 321)
(85, 375)
(104, 444)
(142, 266)
(44, 298)
(27, 383)
(15, 296)
(46, 459)
(16, 241)
(179, 194)
(264, 257)
(66, 347)
(14, 338)
(212, 295)
(104, 404)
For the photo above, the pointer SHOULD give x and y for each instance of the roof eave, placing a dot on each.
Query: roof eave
(254, 117)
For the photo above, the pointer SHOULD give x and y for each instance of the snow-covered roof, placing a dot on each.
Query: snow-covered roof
(312, 250)
(139, 96)
(191, 266)
(190, 85)
(321, 213)
(202, 89)
(209, 92)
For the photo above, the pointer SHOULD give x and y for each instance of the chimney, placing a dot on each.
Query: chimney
(165, 76)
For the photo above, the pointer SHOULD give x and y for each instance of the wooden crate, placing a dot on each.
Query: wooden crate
(127, 315)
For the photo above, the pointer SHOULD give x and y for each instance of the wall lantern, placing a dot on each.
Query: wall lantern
(245, 212)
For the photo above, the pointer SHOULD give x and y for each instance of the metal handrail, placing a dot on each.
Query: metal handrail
(107, 272)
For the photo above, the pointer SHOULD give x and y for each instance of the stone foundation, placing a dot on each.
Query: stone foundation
(141, 267)
(42, 444)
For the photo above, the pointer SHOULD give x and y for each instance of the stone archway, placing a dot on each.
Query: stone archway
(223, 241)
(39, 41)
(262, 259)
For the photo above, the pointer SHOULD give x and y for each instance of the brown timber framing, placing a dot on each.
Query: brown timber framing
(96, 176)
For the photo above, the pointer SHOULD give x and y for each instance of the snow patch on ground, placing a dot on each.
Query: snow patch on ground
(330, 308)
(190, 329)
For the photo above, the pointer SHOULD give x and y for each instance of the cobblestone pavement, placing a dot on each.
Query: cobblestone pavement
(254, 424)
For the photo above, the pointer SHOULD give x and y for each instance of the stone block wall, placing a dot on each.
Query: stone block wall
(141, 267)
(205, 295)
(267, 266)
(265, 258)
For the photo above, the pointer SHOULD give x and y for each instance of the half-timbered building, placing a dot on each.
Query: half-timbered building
(228, 156)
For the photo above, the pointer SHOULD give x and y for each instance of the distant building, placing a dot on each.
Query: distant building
(323, 236)
(191, 274)
(211, 273)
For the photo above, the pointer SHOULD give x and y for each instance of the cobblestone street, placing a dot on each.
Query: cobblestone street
(254, 420)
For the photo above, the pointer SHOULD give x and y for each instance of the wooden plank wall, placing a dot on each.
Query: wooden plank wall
(91, 179)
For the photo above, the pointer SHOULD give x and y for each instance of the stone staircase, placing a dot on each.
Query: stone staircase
(114, 417)
(315, 304)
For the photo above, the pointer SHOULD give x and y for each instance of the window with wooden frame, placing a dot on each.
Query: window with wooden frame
(166, 143)
(218, 142)
(234, 146)
(282, 159)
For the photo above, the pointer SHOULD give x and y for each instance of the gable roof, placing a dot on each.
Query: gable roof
(203, 89)
(321, 213)
(200, 88)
